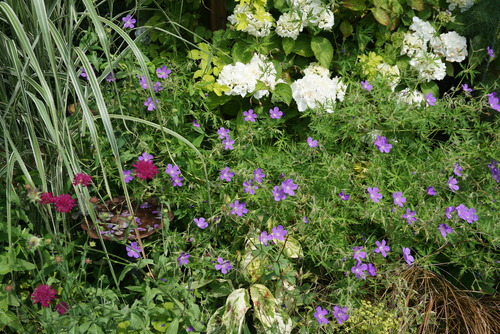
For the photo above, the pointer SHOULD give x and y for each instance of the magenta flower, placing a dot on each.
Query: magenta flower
(129, 21)
(83, 179)
(409, 216)
(201, 223)
(431, 191)
(145, 169)
(279, 233)
(490, 52)
(493, 101)
(258, 175)
(226, 174)
(43, 294)
(133, 250)
(127, 174)
(452, 183)
(46, 198)
(320, 315)
(340, 314)
(311, 142)
(366, 85)
(359, 270)
(250, 116)
(381, 248)
(183, 259)
(457, 169)
(289, 187)
(151, 104)
(382, 144)
(196, 124)
(343, 196)
(163, 72)
(431, 100)
(374, 194)
(466, 89)
(444, 229)
(278, 193)
(64, 203)
(275, 113)
(238, 208)
(223, 266)
(407, 256)
(399, 199)
(62, 308)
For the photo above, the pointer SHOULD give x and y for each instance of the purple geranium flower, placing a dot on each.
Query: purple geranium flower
(275, 113)
(381, 248)
(448, 211)
(250, 116)
(320, 315)
(340, 314)
(466, 214)
(490, 52)
(444, 229)
(305, 219)
(110, 77)
(431, 100)
(457, 169)
(278, 193)
(134, 250)
(163, 72)
(143, 82)
(366, 85)
(145, 157)
(288, 187)
(223, 266)
(228, 144)
(172, 170)
(358, 254)
(466, 89)
(264, 238)
(150, 104)
(344, 197)
(183, 259)
(374, 194)
(279, 233)
(494, 101)
(409, 216)
(223, 133)
(399, 199)
(431, 191)
(157, 87)
(359, 270)
(382, 144)
(452, 183)
(249, 187)
(258, 175)
(311, 142)
(226, 174)
(238, 208)
(176, 180)
(196, 124)
(127, 174)
(129, 21)
(407, 256)
(201, 223)
(372, 270)
(84, 73)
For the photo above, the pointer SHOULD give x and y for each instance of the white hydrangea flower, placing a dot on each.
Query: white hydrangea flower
(322, 18)
(410, 96)
(390, 73)
(422, 29)
(429, 67)
(462, 4)
(289, 24)
(315, 68)
(238, 78)
(314, 91)
(263, 70)
(413, 45)
(450, 45)
(255, 26)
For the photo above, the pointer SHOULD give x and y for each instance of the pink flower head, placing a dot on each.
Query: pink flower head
(43, 294)
(46, 198)
(64, 203)
(83, 179)
(62, 308)
(145, 169)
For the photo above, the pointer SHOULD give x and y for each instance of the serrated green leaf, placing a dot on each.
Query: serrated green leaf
(323, 50)
(282, 93)
(346, 28)
(288, 45)
(302, 46)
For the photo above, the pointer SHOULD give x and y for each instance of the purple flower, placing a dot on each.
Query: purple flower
(371, 269)
(144, 83)
(190, 329)
(157, 87)
(305, 220)
(249, 187)
(457, 169)
(493, 101)
(163, 72)
(495, 173)
(275, 113)
(320, 315)
(264, 238)
(399, 199)
(311, 142)
(84, 73)
(288, 187)
(444, 229)
(366, 85)
(409, 216)
(183, 259)
(448, 211)
(431, 100)
(382, 144)
(431, 191)
(238, 208)
(133, 250)
(127, 174)
(279, 233)
(344, 197)
(150, 104)
(226, 174)
(359, 270)
(452, 183)
(406, 255)
(258, 175)
(172, 170)
(381, 248)
(466, 214)
(110, 77)
(196, 124)
(223, 133)
(250, 115)
(278, 193)
(223, 266)
(374, 195)
(358, 254)
(228, 144)
(201, 223)
(340, 314)
(490, 52)
(176, 180)
(129, 21)
(466, 89)
(145, 157)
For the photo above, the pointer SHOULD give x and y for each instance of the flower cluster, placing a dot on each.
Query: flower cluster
(45, 295)
(360, 268)
(253, 20)
(144, 169)
(226, 139)
(495, 173)
(62, 203)
(340, 313)
(463, 212)
(287, 187)
(464, 5)
(317, 91)
(175, 175)
(278, 233)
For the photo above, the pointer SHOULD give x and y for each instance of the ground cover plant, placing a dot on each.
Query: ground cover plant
(314, 167)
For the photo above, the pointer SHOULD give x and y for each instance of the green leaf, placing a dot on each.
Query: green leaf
(264, 304)
(173, 328)
(356, 5)
(288, 45)
(430, 87)
(282, 93)
(237, 305)
(323, 50)
(417, 4)
(121, 328)
(346, 28)
(241, 52)
(381, 16)
(292, 248)
(449, 69)
(302, 46)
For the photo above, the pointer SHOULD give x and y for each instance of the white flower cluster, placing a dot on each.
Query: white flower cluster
(317, 91)
(462, 4)
(242, 78)
(410, 96)
(429, 65)
(244, 15)
(391, 73)
(289, 25)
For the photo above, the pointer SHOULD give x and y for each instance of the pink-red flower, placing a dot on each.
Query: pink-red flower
(64, 203)
(83, 179)
(145, 169)
(62, 308)
(43, 294)
(46, 198)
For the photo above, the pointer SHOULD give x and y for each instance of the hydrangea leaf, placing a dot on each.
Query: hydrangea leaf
(356, 5)
(323, 50)
(282, 93)
(302, 46)
(346, 28)
(417, 4)
(237, 305)
(288, 45)
(241, 52)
